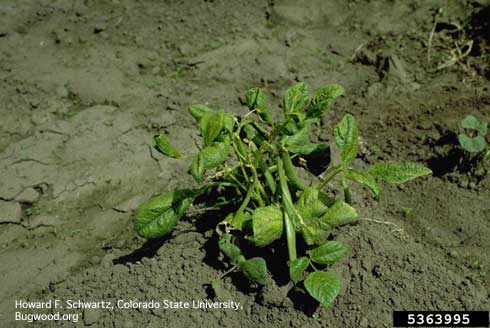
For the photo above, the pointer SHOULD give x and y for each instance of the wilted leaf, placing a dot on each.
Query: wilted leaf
(340, 213)
(267, 225)
(313, 203)
(214, 155)
(256, 100)
(299, 142)
(346, 136)
(253, 134)
(158, 216)
(197, 168)
(395, 172)
(231, 250)
(228, 122)
(323, 286)
(255, 269)
(328, 253)
(297, 268)
(211, 125)
(239, 220)
(314, 232)
(470, 122)
(322, 99)
(364, 178)
(163, 146)
(197, 111)
(472, 144)
(296, 99)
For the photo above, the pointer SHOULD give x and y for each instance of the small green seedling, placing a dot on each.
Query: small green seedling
(473, 138)
(249, 161)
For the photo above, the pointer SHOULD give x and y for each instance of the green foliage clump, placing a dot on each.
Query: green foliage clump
(252, 162)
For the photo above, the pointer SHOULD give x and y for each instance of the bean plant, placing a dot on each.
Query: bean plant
(473, 138)
(253, 162)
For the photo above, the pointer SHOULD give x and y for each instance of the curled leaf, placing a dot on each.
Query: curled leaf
(395, 172)
(340, 213)
(197, 168)
(297, 268)
(328, 253)
(198, 111)
(322, 99)
(162, 144)
(214, 155)
(296, 99)
(158, 216)
(313, 203)
(364, 178)
(239, 220)
(314, 232)
(299, 142)
(267, 223)
(323, 286)
(256, 270)
(253, 134)
(228, 122)
(230, 249)
(210, 125)
(346, 136)
(256, 101)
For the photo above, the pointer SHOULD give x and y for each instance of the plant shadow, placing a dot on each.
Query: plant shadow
(148, 249)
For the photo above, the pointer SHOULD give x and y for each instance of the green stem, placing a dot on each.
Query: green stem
(347, 193)
(268, 176)
(248, 196)
(329, 175)
(287, 201)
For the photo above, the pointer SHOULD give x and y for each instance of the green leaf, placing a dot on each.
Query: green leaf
(322, 99)
(197, 111)
(210, 157)
(211, 125)
(323, 286)
(227, 245)
(297, 268)
(313, 203)
(296, 99)
(214, 155)
(239, 220)
(256, 270)
(158, 216)
(255, 98)
(346, 136)
(308, 149)
(163, 146)
(228, 122)
(256, 101)
(395, 172)
(364, 178)
(253, 134)
(267, 223)
(314, 232)
(340, 213)
(197, 168)
(471, 123)
(299, 142)
(472, 144)
(328, 253)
